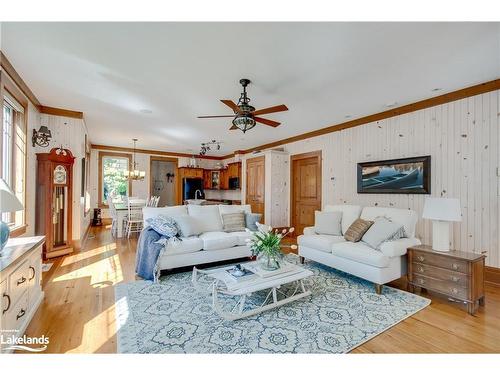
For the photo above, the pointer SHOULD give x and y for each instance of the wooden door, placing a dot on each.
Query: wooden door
(255, 185)
(305, 190)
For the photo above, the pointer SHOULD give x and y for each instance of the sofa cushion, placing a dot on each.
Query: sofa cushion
(398, 247)
(172, 211)
(349, 214)
(183, 246)
(218, 240)
(234, 222)
(328, 222)
(208, 217)
(251, 220)
(360, 252)
(382, 230)
(188, 225)
(322, 242)
(242, 236)
(357, 230)
(407, 218)
(232, 208)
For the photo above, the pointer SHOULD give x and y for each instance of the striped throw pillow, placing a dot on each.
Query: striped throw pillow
(357, 229)
(234, 222)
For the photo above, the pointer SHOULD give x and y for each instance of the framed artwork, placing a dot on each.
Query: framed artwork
(396, 176)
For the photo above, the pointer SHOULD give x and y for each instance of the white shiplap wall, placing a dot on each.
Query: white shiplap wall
(463, 139)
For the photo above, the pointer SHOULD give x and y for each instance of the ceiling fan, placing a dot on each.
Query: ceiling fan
(245, 116)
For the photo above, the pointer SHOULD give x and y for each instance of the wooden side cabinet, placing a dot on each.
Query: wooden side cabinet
(456, 274)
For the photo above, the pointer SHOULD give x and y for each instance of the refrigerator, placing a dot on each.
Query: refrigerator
(189, 187)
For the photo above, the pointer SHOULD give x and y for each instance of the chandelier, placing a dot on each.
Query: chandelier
(135, 174)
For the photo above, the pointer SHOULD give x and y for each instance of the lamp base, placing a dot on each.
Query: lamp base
(4, 235)
(440, 235)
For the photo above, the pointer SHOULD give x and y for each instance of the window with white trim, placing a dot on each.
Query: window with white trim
(13, 155)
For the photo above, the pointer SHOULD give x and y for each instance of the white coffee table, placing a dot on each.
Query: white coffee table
(222, 283)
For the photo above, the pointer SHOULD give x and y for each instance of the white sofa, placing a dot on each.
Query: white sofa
(357, 258)
(212, 245)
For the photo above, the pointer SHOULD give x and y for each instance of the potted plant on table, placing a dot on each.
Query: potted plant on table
(266, 245)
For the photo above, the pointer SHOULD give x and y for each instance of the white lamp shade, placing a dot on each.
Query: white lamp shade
(443, 209)
(8, 200)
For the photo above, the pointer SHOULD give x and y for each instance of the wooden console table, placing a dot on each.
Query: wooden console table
(456, 274)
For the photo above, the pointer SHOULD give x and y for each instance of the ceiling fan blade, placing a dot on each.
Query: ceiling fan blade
(215, 116)
(276, 108)
(234, 127)
(266, 121)
(231, 105)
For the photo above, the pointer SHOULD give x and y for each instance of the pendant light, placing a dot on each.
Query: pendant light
(135, 174)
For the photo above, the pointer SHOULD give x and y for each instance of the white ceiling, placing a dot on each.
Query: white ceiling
(321, 71)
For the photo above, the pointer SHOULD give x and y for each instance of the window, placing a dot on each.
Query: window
(112, 180)
(13, 155)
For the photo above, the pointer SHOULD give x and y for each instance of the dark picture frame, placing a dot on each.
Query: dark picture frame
(395, 176)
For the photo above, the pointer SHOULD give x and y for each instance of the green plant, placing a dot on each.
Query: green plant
(266, 243)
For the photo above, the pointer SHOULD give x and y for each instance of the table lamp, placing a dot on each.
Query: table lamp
(441, 211)
(8, 203)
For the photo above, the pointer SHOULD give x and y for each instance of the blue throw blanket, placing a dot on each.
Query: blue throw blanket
(148, 253)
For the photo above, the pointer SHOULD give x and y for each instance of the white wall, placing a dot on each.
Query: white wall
(70, 133)
(462, 138)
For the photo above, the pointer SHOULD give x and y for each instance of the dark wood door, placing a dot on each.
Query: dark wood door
(255, 185)
(305, 189)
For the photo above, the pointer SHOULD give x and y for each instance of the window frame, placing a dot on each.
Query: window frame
(9, 92)
(102, 155)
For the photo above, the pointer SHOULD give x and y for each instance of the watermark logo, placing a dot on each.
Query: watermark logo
(10, 340)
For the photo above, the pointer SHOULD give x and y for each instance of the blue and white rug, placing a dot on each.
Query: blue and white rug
(342, 313)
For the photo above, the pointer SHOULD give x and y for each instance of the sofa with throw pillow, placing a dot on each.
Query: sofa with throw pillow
(207, 233)
(369, 242)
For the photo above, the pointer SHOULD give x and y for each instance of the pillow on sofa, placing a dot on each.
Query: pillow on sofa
(164, 226)
(328, 223)
(382, 230)
(189, 225)
(357, 230)
(208, 217)
(251, 220)
(234, 222)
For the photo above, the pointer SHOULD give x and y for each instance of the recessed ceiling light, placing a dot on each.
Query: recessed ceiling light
(437, 89)
(147, 111)
(347, 116)
(391, 104)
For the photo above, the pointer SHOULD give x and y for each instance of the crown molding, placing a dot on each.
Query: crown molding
(60, 112)
(154, 152)
(12, 73)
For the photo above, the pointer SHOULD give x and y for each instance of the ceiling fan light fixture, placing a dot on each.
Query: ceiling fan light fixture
(244, 122)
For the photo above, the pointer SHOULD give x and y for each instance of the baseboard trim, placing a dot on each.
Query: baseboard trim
(492, 275)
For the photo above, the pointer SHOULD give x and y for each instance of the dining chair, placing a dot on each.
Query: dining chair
(114, 218)
(134, 217)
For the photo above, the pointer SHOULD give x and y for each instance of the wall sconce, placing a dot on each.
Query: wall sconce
(41, 137)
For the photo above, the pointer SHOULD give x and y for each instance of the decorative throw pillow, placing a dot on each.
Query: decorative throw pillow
(382, 230)
(164, 226)
(234, 222)
(328, 223)
(357, 229)
(251, 219)
(189, 225)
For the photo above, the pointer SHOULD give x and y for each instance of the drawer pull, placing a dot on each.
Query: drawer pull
(454, 290)
(420, 258)
(421, 269)
(421, 281)
(21, 314)
(454, 266)
(34, 273)
(455, 279)
(21, 280)
(8, 303)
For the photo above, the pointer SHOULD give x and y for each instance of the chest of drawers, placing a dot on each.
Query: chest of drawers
(455, 274)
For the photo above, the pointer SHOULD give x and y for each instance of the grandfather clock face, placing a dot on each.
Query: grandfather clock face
(59, 175)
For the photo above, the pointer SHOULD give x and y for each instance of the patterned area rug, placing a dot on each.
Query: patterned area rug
(342, 313)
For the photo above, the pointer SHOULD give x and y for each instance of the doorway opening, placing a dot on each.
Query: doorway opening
(163, 180)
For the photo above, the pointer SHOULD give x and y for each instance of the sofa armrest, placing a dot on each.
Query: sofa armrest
(398, 247)
(309, 231)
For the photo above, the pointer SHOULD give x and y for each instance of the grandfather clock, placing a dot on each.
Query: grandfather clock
(54, 197)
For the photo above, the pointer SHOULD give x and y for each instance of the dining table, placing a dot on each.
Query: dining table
(121, 213)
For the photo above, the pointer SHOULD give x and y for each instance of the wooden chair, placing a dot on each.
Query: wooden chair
(134, 217)
(153, 201)
(112, 213)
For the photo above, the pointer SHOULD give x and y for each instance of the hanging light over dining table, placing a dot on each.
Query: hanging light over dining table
(135, 174)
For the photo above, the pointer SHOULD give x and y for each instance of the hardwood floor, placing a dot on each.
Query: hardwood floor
(78, 312)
